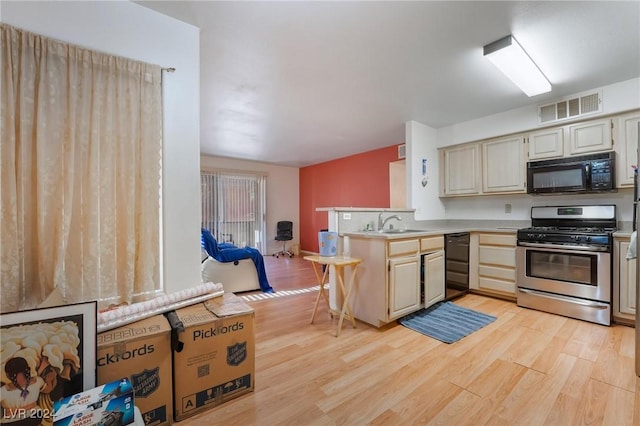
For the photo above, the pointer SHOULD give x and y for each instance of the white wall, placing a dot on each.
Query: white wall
(492, 207)
(130, 30)
(421, 145)
(617, 98)
(283, 194)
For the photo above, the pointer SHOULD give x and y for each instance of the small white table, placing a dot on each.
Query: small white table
(338, 263)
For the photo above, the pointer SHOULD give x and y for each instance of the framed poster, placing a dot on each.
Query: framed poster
(46, 354)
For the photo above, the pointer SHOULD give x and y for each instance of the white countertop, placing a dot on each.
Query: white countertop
(440, 230)
(620, 233)
(363, 209)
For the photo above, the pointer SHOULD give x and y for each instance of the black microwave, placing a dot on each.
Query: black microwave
(583, 174)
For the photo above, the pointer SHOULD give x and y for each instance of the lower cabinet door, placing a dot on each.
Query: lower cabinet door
(404, 286)
(627, 282)
(434, 290)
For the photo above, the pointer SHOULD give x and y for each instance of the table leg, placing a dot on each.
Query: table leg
(321, 292)
(345, 293)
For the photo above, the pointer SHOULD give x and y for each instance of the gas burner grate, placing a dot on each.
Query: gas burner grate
(571, 229)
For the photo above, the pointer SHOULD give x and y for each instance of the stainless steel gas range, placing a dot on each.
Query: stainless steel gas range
(563, 261)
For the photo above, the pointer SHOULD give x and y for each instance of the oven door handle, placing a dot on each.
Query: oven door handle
(589, 303)
(563, 248)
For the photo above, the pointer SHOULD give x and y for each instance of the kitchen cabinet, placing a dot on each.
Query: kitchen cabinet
(626, 145)
(492, 264)
(461, 170)
(491, 167)
(404, 277)
(583, 138)
(388, 281)
(433, 267)
(624, 283)
(433, 274)
(404, 286)
(503, 165)
(590, 136)
(499, 165)
(547, 143)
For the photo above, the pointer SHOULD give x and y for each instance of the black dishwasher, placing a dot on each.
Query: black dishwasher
(456, 254)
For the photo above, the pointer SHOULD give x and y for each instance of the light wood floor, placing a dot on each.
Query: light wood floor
(526, 368)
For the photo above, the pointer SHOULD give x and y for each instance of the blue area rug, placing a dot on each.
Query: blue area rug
(446, 321)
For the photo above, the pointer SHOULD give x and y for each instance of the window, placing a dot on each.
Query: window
(233, 206)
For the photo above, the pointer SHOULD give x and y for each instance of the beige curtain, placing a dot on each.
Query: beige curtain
(80, 178)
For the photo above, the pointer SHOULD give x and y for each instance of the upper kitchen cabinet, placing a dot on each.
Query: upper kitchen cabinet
(503, 165)
(584, 137)
(590, 136)
(460, 169)
(547, 143)
(626, 146)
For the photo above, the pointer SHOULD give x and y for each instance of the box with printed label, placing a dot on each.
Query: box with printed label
(88, 407)
(113, 412)
(141, 351)
(214, 357)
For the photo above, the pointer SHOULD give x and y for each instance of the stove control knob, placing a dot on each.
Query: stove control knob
(588, 239)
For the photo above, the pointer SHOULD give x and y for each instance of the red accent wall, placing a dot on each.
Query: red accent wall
(360, 180)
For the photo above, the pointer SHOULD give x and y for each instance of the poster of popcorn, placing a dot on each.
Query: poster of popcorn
(45, 355)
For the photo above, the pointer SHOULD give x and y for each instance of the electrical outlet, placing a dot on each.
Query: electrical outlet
(507, 208)
(346, 216)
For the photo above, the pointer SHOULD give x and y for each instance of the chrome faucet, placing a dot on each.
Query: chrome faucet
(381, 222)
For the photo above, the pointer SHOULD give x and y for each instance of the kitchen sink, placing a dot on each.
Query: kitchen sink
(400, 231)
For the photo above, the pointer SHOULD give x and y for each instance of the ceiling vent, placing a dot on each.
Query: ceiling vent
(570, 108)
(402, 151)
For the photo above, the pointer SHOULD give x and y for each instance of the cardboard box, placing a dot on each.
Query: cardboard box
(141, 351)
(111, 403)
(214, 359)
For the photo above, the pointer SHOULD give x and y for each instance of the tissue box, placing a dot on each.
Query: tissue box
(109, 404)
(114, 412)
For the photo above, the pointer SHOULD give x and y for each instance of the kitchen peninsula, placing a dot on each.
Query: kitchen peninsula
(404, 264)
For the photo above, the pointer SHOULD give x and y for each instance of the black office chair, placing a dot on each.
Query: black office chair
(284, 233)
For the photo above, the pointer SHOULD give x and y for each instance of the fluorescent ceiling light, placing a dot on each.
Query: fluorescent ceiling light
(513, 61)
